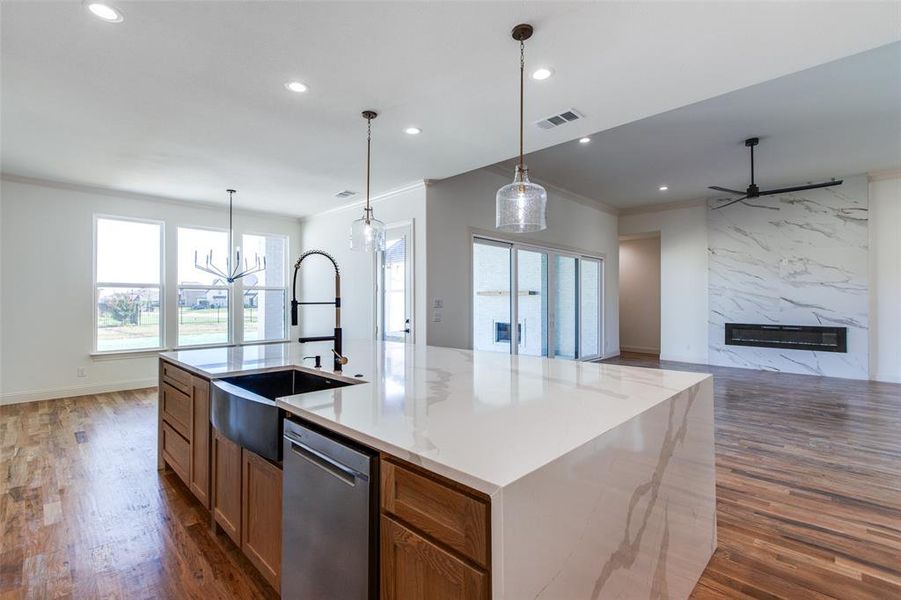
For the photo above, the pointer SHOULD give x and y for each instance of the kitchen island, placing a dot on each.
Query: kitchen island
(597, 481)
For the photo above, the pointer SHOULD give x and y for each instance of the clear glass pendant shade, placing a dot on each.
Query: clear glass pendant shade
(521, 205)
(367, 234)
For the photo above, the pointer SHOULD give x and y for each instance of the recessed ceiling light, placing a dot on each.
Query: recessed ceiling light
(412, 130)
(663, 188)
(105, 12)
(542, 73)
(584, 140)
(296, 86)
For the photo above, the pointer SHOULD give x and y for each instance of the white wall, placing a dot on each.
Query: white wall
(885, 278)
(331, 232)
(46, 311)
(683, 278)
(639, 295)
(461, 205)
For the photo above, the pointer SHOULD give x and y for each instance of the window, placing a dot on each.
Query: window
(127, 284)
(203, 299)
(264, 292)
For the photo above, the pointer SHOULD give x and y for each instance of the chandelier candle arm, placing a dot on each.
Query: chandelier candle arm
(230, 273)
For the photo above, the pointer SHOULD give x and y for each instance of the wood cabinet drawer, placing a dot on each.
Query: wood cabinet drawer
(176, 452)
(414, 568)
(442, 512)
(177, 378)
(176, 408)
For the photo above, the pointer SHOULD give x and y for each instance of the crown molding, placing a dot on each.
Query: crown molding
(104, 191)
(578, 198)
(423, 183)
(884, 174)
(652, 208)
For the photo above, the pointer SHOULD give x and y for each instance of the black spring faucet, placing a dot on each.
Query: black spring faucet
(339, 359)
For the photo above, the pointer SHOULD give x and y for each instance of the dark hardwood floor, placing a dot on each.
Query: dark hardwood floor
(808, 485)
(809, 497)
(86, 514)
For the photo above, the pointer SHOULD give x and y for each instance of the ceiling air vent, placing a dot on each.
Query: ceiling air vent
(561, 119)
(345, 194)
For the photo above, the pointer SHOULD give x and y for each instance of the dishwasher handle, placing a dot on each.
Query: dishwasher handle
(324, 462)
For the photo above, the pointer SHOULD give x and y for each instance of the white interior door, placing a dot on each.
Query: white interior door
(395, 286)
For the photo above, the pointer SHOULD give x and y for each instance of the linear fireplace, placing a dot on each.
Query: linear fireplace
(796, 337)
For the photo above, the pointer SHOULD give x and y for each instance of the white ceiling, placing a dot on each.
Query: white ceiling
(841, 118)
(184, 99)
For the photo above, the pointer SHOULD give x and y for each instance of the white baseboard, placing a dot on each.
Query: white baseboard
(640, 349)
(886, 378)
(698, 360)
(79, 390)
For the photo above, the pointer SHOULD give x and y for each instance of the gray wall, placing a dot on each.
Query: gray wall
(459, 206)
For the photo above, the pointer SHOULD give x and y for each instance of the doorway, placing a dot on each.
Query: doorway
(394, 285)
(639, 293)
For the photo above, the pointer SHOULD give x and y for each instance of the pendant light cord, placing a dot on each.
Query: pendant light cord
(230, 246)
(522, 67)
(368, 155)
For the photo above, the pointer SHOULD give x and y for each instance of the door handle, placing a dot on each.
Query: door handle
(327, 464)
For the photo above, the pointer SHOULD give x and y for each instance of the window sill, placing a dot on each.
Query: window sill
(203, 347)
(265, 342)
(123, 354)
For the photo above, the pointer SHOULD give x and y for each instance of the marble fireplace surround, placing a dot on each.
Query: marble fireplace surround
(792, 259)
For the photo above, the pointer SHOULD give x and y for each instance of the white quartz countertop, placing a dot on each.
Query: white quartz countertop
(484, 419)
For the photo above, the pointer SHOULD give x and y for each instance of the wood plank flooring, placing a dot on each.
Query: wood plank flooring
(808, 486)
(86, 514)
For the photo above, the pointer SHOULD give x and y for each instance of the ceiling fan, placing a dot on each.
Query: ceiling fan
(753, 191)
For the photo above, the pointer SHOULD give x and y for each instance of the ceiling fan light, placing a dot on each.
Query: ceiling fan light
(521, 206)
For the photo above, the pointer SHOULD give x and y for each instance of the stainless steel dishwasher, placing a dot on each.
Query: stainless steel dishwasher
(329, 517)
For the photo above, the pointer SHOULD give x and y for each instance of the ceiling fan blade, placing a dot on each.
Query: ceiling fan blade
(799, 188)
(729, 203)
(727, 190)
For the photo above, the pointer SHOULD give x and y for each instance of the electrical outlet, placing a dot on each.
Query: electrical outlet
(80, 372)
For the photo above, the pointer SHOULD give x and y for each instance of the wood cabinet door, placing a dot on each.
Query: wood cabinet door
(200, 441)
(261, 537)
(415, 568)
(227, 471)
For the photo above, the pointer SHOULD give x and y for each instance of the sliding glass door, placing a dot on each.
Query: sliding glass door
(491, 306)
(552, 296)
(531, 302)
(589, 308)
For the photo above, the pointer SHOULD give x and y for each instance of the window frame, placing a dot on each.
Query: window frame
(241, 289)
(515, 244)
(161, 286)
(229, 288)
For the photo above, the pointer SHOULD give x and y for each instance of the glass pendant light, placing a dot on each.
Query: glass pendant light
(521, 205)
(368, 233)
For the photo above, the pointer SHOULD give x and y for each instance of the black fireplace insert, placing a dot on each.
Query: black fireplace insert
(796, 337)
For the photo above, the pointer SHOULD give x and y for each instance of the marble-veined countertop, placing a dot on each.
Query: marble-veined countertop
(484, 419)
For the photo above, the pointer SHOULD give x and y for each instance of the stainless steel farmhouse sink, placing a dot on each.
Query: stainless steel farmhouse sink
(243, 407)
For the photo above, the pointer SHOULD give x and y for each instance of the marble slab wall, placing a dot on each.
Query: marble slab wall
(792, 259)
